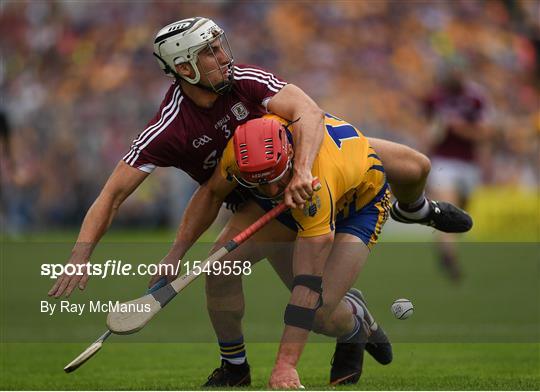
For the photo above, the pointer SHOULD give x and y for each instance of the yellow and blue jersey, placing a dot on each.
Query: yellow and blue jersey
(353, 182)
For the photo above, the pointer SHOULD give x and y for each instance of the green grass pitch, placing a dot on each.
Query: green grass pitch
(480, 335)
(173, 366)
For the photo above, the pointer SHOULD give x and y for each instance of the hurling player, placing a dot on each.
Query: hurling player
(209, 97)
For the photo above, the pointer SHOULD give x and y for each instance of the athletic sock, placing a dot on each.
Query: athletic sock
(350, 335)
(356, 309)
(416, 210)
(233, 351)
(359, 311)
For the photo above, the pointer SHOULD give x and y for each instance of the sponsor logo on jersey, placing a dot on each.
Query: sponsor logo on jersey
(201, 141)
(312, 206)
(239, 111)
(222, 122)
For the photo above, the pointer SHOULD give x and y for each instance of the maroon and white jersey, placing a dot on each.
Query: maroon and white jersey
(469, 105)
(192, 138)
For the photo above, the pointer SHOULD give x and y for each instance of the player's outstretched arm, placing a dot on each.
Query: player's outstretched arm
(292, 103)
(310, 255)
(200, 213)
(122, 182)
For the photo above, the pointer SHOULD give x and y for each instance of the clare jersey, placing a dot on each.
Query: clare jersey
(191, 138)
(350, 172)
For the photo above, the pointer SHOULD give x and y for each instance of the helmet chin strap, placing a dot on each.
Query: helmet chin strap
(177, 76)
(168, 69)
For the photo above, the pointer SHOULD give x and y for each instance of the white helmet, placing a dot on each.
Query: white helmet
(181, 41)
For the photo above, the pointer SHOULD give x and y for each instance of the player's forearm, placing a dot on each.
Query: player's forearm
(122, 182)
(292, 345)
(308, 138)
(200, 213)
(310, 255)
(293, 104)
(95, 224)
(294, 338)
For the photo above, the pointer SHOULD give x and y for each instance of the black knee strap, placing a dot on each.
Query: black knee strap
(299, 316)
(312, 282)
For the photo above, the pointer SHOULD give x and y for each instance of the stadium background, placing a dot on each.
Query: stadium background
(78, 83)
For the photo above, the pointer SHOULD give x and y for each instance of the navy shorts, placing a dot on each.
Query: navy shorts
(365, 223)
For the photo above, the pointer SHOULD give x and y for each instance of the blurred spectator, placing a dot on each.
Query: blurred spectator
(5, 142)
(79, 81)
(462, 129)
(6, 165)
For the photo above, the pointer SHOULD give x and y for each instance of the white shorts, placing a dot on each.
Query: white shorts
(454, 173)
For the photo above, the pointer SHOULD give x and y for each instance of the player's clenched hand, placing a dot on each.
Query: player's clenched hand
(65, 284)
(299, 189)
(168, 268)
(284, 377)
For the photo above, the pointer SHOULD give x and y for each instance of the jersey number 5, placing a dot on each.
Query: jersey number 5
(210, 161)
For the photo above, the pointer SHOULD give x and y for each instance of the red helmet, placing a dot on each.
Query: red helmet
(260, 147)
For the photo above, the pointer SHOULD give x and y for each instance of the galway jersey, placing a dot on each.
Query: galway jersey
(470, 105)
(350, 172)
(191, 138)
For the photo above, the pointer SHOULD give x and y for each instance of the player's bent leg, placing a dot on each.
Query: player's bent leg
(280, 258)
(406, 169)
(378, 344)
(224, 291)
(225, 305)
(225, 298)
(441, 215)
(346, 260)
(356, 233)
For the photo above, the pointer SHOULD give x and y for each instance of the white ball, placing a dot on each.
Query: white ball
(402, 308)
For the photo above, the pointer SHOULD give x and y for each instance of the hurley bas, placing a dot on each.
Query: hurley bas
(93, 307)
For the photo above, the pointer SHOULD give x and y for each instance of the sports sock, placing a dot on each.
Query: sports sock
(359, 311)
(349, 336)
(416, 210)
(355, 307)
(233, 351)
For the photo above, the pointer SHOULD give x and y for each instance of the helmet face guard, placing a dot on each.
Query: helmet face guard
(261, 149)
(226, 71)
(253, 187)
(182, 41)
(263, 181)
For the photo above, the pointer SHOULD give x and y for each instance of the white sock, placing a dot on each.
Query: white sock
(355, 307)
(354, 331)
(358, 310)
(421, 211)
(235, 361)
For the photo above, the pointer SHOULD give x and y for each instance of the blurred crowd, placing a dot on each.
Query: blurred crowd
(79, 82)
